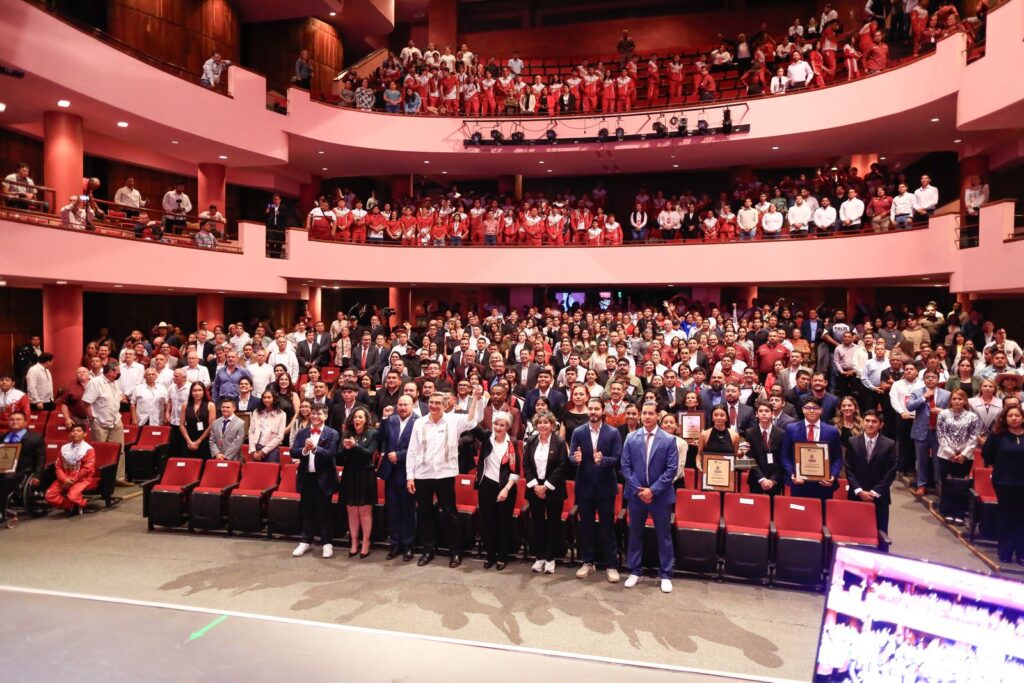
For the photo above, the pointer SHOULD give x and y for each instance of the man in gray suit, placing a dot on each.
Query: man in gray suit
(227, 433)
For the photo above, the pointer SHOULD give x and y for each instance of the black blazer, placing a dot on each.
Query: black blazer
(32, 460)
(305, 354)
(690, 224)
(759, 453)
(324, 457)
(663, 403)
(558, 457)
(513, 466)
(375, 358)
(805, 330)
(249, 406)
(532, 370)
(876, 475)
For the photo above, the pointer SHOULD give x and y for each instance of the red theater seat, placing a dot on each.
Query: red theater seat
(852, 522)
(144, 456)
(698, 523)
(107, 457)
(748, 530)
(283, 515)
(209, 500)
(468, 507)
(799, 541)
(165, 500)
(983, 505)
(247, 503)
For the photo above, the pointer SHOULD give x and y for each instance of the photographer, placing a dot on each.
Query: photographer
(78, 214)
(176, 204)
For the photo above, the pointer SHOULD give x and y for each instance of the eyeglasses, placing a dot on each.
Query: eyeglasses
(812, 408)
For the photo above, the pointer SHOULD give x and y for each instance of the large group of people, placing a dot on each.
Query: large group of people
(827, 201)
(596, 397)
(455, 80)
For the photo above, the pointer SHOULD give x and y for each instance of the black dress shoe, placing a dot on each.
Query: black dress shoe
(363, 556)
(501, 565)
(425, 559)
(455, 561)
(488, 564)
(392, 554)
(353, 553)
(407, 557)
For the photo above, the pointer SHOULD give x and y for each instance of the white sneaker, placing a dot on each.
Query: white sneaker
(632, 580)
(301, 549)
(613, 575)
(549, 567)
(328, 551)
(537, 567)
(666, 585)
(584, 571)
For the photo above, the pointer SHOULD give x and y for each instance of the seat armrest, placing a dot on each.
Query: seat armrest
(826, 535)
(525, 508)
(187, 488)
(228, 489)
(265, 493)
(884, 541)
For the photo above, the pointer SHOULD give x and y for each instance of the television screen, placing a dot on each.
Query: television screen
(568, 299)
(890, 618)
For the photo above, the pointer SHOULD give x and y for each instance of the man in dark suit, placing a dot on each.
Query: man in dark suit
(815, 430)
(544, 389)
(713, 394)
(690, 222)
(367, 357)
(324, 340)
(871, 462)
(526, 371)
(765, 439)
(829, 402)
(670, 395)
(399, 504)
(309, 353)
(650, 461)
(795, 395)
(315, 449)
(344, 406)
(812, 328)
(31, 459)
(782, 413)
(596, 488)
(468, 366)
(741, 416)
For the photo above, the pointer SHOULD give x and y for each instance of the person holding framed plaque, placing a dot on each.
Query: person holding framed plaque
(812, 454)
(718, 440)
(765, 438)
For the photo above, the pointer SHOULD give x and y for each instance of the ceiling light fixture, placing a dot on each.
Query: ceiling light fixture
(323, 168)
(675, 165)
(775, 146)
(3, 283)
(426, 161)
(174, 142)
(332, 14)
(957, 141)
(62, 282)
(319, 151)
(122, 124)
(3, 107)
(540, 162)
(64, 104)
(118, 286)
(223, 156)
(935, 119)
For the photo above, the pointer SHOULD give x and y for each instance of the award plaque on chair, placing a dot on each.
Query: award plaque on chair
(811, 460)
(719, 472)
(9, 453)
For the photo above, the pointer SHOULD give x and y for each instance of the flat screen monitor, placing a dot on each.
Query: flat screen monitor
(890, 618)
(568, 299)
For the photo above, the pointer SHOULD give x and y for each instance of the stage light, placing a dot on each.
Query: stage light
(551, 135)
(602, 135)
(518, 136)
(620, 133)
(702, 125)
(476, 138)
(727, 122)
(497, 136)
(660, 129)
(683, 125)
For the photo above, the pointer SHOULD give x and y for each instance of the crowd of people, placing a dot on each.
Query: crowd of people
(827, 201)
(761, 374)
(457, 81)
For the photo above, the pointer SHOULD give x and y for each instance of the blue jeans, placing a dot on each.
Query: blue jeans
(747, 236)
(490, 239)
(641, 235)
(903, 220)
(437, 243)
(925, 451)
(455, 241)
(392, 108)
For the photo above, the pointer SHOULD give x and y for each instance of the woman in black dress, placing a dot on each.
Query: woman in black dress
(1004, 453)
(848, 422)
(358, 491)
(199, 417)
(575, 415)
(718, 439)
(287, 398)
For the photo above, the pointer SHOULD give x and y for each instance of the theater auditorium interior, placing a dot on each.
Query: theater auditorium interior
(443, 339)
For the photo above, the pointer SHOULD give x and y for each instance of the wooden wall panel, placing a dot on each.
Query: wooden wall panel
(21, 316)
(122, 313)
(182, 32)
(15, 148)
(271, 48)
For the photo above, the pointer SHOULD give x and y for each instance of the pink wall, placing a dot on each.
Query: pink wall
(991, 96)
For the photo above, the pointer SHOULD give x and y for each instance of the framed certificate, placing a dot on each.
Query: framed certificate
(691, 424)
(245, 418)
(719, 472)
(811, 460)
(9, 453)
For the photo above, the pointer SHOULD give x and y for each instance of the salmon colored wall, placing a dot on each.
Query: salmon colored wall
(659, 34)
(442, 23)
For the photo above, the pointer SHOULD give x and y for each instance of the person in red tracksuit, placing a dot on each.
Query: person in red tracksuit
(76, 473)
(476, 223)
(676, 72)
(343, 221)
(376, 223)
(653, 79)
(533, 225)
(408, 222)
(394, 229)
(457, 227)
(321, 222)
(509, 228)
(554, 228)
(591, 86)
(449, 84)
(595, 234)
(489, 106)
(359, 223)
(471, 96)
(625, 87)
(608, 94)
(581, 220)
(439, 231)
(612, 231)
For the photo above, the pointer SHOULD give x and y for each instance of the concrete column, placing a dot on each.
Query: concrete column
(63, 156)
(307, 196)
(315, 306)
(400, 299)
(210, 307)
(62, 329)
(212, 187)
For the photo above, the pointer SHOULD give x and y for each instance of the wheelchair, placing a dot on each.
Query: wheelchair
(24, 500)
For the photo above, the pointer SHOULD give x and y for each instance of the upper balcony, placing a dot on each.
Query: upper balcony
(889, 113)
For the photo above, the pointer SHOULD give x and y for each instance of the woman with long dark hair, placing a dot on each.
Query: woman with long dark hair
(358, 489)
(199, 417)
(1004, 453)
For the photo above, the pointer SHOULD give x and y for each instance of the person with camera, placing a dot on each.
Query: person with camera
(78, 214)
(176, 205)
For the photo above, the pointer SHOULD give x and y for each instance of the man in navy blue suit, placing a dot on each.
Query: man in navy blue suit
(545, 388)
(399, 504)
(813, 429)
(650, 461)
(315, 449)
(596, 448)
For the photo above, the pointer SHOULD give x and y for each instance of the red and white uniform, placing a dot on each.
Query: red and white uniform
(594, 236)
(343, 223)
(423, 87)
(612, 233)
(591, 84)
(675, 80)
(852, 61)
(487, 101)
(573, 82)
(321, 223)
(408, 222)
(554, 226)
(509, 229)
(394, 228)
(376, 223)
(918, 23)
(359, 225)
(10, 401)
(450, 93)
(625, 87)
(608, 95)
(471, 96)
(533, 227)
(476, 224)
(653, 80)
(581, 220)
(76, 473)
(458, 226)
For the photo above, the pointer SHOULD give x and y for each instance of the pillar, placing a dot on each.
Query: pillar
(212, 187)
(62, 330)
(63, 155)
(400, 299)
(308, 193)
(210, 307)
(443, 24)
(315, 306)
(862, 162)
(743, 293)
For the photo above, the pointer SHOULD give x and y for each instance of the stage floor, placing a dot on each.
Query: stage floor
(55, 636)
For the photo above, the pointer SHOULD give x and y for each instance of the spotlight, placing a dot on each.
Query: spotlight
(660, 129)
(702, 125)
(551, 135)
(620, 133)
(683, 124)
(727, 122)
(602, 135)
(476, 137)
(518, 136)
(497, 136)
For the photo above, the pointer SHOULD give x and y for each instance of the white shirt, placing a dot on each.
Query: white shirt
(902, 205)
(492, 464)
(287, 359)
(824, 216)
(747, 219)
(170, 202)
(900, 391)
(851, 210)
(126, 196)
(778, 85)
(926, 197)
(149, 403)
(200, 373)
(105, 399)
(39, 383)
(262, 376)
(799, 214)
(239, 341)
(800, 72)
(772, 222)
(540, 460)
(314, 438)
(974, 197)
(131, 376)
(669, 220)
(434, 446)
(177, 397)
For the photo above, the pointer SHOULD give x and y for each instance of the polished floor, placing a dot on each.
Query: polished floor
(724, 626)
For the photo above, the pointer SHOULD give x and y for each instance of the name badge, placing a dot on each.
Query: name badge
(630, 389)
(199, 426)
(771, 458)
(746, 501)
(699, 496)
